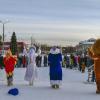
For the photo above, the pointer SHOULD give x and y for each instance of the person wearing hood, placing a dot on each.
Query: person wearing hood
(55, 63)
(31, 70)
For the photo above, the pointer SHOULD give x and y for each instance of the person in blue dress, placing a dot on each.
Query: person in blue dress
(55, 63)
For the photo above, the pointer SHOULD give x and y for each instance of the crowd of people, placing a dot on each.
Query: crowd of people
(71, 61)
(41, 59)
(77, 61)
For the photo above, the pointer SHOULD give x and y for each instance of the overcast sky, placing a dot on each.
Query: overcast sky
(66, 21)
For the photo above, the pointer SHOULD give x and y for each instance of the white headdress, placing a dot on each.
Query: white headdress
(32, 50)
(55, 50)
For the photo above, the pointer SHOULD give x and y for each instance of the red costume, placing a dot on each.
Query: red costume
(9, 64)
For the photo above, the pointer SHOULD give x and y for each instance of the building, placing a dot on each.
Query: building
(20, 46)
(84, 45)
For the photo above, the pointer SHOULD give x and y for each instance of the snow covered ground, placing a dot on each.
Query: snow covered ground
(73, 87)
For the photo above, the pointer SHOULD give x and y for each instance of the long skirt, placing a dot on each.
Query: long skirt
(55, 75)
(31, 72)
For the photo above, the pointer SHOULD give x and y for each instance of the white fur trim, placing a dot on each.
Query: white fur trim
(53, 82)
(56, 51)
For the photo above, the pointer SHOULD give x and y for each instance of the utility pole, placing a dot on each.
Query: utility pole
(3, 34)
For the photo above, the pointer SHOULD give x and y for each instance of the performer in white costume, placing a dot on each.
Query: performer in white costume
(31, 71)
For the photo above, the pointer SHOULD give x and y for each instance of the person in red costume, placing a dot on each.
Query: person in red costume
(9, 63)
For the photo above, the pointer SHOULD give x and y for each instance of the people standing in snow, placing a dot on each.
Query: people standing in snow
(31, 70)
(45, 61)
(9, 63)
(55, 62)
(24, 57)
(38, 60)
(83, 67)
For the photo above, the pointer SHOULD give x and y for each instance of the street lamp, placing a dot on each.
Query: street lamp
(3, 23)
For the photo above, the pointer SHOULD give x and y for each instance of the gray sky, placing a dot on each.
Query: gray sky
(59, 21)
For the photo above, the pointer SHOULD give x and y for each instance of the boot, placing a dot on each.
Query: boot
(97, 92)
(31, 83)
(54, 86)
(10, 80)
(9, 83)
(98, 89)
(57, 86)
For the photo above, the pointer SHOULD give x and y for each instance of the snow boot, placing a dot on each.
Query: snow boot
(31, 83)
(54, 86)
(10, 80)
(98, 89)
(57, 86)
(9, 83)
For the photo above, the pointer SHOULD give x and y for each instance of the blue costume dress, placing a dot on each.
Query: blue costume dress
(55, 60)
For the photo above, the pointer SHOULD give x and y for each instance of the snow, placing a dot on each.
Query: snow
(73, 86)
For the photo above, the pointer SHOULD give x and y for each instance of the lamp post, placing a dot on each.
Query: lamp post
(3, 39)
